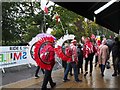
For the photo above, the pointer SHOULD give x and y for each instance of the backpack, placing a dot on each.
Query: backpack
(68, 51)
(78, 50)
(45, 54)
(108, 65)
(110, 43)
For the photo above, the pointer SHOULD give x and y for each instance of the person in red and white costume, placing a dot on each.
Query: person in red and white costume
(98, 43)
(73, 62)
(88, 53)
(48, 70)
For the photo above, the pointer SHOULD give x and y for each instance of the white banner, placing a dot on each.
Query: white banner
(13, 56)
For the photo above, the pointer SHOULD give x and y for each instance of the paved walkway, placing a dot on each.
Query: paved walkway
(94, 81)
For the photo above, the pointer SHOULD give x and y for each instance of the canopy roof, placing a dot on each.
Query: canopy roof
(109, 18)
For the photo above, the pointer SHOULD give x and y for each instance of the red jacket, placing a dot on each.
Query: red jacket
(88, 48)
(74, 57)
(68, 52)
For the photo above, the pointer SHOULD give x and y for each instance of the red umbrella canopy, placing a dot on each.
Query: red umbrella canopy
(38, 48)
(41, 35)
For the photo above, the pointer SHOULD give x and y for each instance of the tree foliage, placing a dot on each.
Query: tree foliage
(21, 21)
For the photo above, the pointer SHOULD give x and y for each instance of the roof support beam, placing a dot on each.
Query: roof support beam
(104, 6)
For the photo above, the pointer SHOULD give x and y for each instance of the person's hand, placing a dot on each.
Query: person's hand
(76, 63)
(68, 62)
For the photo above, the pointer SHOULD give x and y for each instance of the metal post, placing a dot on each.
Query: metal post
(66, 31)
(44, 25)
(29, 65)
(62, 27)
(3, 70)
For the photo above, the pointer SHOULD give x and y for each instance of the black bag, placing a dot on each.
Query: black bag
(108, 65)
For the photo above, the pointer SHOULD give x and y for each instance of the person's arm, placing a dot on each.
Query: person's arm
(75, 55)
(99, 55)
(108, 55)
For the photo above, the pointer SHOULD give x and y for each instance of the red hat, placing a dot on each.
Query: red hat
(73, 41)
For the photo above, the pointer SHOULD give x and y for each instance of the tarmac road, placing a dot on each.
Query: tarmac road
(22, 72)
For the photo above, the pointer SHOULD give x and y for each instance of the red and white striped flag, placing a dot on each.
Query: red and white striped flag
(46, 10)
(44, 5)
(57, 18)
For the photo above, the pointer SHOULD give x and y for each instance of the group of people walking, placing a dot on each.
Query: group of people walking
(98, 48)
(79, 53)
(85, 52)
